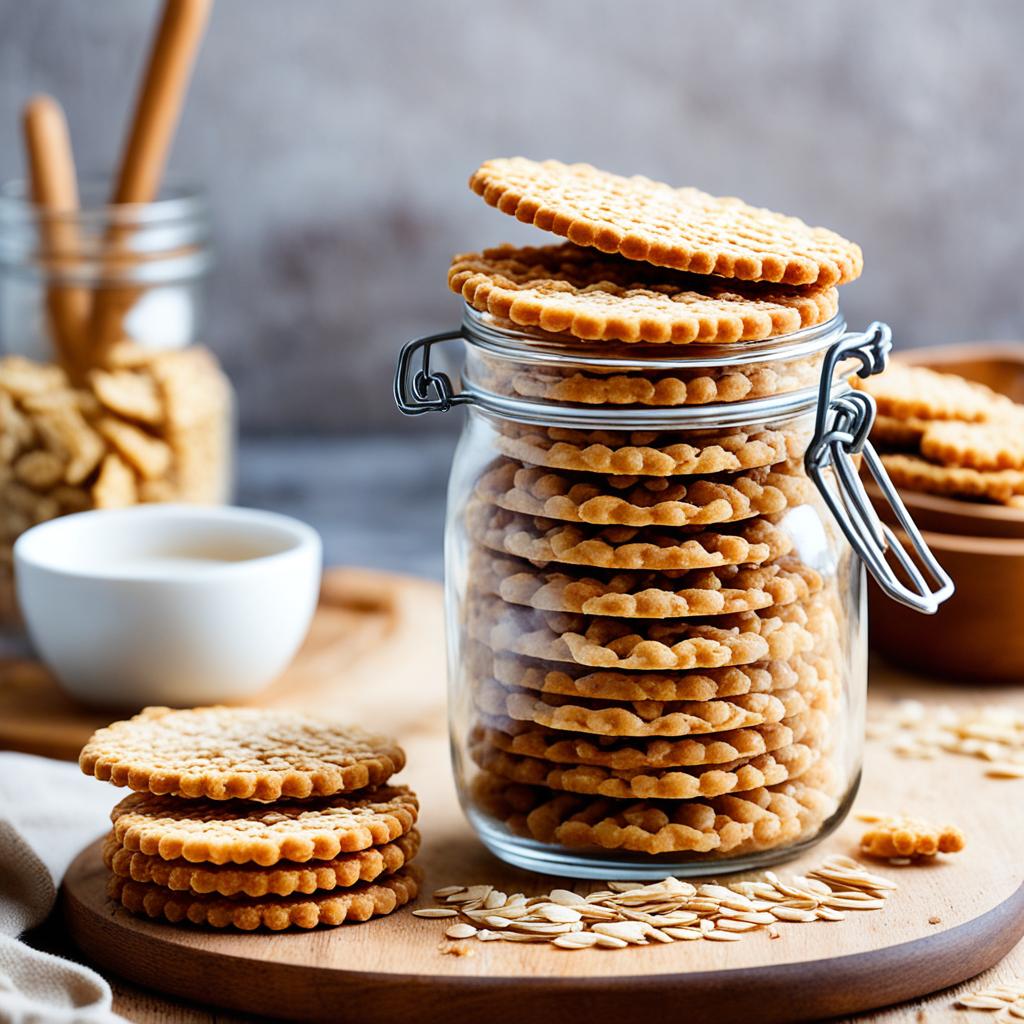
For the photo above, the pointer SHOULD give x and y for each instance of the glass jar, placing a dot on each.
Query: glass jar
(655, 594)
(106, 400)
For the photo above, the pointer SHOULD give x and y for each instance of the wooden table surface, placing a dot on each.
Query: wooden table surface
(887, 684)
(318, 481)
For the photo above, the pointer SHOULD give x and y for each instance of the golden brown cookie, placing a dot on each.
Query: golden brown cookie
(283, 879)
(992, 446)
(540, 541)
(645, 645)
(682, 228)
(706, 684)
(917, 392)
(237, 832)
(767, 817)
(917, 474)
(648, 453)
(565, 289)
(360, 903)
(642, 501)
(910, 837)
(246, 753)
(618, 754)
(641, 718)
(648, 595)
(653, 388)
(649, 784)
(893, 432)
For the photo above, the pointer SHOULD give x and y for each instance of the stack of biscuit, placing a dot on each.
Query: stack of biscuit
(255, 818)
(652, 635)
(943, 434)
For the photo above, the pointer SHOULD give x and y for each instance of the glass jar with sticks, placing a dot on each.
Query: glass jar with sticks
(106, 397)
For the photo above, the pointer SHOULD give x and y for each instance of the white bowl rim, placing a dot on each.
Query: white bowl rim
(30, 549)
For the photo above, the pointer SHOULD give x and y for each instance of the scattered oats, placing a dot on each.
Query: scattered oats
(557, 913)
(993, 733)
(566, 898)
(732, 925)
(1007, 998)
(448, 890)
(628, 931)
(575, 940)
(828, 914)
(629, 914)
(935, 919)
(793, 914)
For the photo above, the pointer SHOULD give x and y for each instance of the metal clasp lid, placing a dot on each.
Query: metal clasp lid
(841, 431)
(425, 390)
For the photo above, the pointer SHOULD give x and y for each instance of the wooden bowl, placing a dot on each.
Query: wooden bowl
(996, 364)
(978, 634)
(1000, 366)
(953, 515)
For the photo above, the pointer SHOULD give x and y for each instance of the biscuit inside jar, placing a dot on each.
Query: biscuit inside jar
(653, 644)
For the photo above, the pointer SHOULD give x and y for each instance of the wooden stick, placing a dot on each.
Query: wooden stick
(54, 189)
(157, 111)
(160, 100)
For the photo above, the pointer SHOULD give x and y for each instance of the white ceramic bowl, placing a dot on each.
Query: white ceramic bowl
(167, 604)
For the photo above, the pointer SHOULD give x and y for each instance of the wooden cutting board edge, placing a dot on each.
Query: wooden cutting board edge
(147, 954)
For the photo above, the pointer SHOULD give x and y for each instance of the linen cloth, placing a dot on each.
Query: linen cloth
(48, 812)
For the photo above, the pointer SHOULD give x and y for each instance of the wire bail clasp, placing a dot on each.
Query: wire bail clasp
(425, 390)
(842, 423)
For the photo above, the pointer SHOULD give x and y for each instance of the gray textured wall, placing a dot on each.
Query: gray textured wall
(336, 137)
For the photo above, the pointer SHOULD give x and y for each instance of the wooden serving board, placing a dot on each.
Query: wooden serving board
(370, 626)
(393, 968)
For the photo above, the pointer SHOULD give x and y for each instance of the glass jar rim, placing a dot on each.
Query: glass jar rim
(521, 343)
(178, 201)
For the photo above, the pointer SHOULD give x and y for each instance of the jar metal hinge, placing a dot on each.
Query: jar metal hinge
(425, 390)
(841, 431)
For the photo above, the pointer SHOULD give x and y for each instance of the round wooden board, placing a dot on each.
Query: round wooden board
(393, 968)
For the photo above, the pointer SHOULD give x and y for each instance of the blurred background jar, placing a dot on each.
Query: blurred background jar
(106, 397)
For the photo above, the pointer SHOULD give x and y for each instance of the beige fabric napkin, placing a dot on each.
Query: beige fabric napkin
(48, 812)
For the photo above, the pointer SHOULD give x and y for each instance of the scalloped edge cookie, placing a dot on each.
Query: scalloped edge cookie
(283, 879)
(360, 903)
(649, 453)
(644, 501)
(625, 754)
(726, 590)
(682, 228)
(542, 541)
(224, 753)
(246, 833)
(767, 769)
(566, 289)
